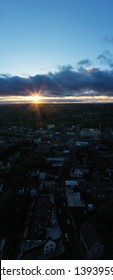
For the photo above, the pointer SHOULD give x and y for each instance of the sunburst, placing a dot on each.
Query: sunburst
(36, 98)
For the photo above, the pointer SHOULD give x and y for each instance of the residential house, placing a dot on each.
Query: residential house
(50, 246)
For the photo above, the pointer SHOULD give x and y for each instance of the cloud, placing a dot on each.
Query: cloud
(106, 58)
(109, 39)
(65, 82)
(84, 62)
(65, 67)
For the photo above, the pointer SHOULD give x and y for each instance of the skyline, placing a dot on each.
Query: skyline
(56, 51)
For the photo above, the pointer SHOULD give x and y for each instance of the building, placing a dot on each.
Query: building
(82, 144)
(50, 126)
(74, 198)
(80, 171)
(71, 183)
(90, 132)
(56, 161)
(50, 246)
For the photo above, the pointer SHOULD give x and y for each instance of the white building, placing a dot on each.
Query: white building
(49, 247)
(90, 132)
(82, 144)
(50, 126)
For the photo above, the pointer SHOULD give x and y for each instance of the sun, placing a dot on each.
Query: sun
(36, 98)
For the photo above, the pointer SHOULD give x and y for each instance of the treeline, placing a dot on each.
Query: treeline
(62, 115)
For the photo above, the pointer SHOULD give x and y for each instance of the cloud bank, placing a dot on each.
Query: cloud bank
(66, 82)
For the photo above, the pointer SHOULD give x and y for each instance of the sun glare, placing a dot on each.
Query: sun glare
(35, 98)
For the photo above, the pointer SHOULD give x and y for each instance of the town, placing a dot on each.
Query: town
(56, 181)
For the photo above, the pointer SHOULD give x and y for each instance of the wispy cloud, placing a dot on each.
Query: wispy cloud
(108, 39)
(84, 62)
(106, 58)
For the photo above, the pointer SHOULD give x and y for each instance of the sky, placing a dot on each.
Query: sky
(56, 51)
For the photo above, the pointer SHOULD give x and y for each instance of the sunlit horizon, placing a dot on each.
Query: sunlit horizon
(36, 98)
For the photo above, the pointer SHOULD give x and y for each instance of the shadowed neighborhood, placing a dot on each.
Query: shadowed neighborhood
(56, 181)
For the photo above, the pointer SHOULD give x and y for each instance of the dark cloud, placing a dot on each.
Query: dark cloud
(102, 81)
(64, 82)
(65, 67)
(14, 85)
(106, 58)
(84, 62)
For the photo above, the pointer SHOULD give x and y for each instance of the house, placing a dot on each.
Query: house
(53, 239)
(50, 126)
(93, 248)
(66, 151)
(82, 144)
(71, 183)
(90, 207)
(50, 246)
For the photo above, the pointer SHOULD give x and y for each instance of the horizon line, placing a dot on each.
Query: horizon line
(54, 103)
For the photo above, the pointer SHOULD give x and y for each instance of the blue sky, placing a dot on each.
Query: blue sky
(42, 36)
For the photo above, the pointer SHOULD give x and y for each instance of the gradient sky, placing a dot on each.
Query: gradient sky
(72, 40)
